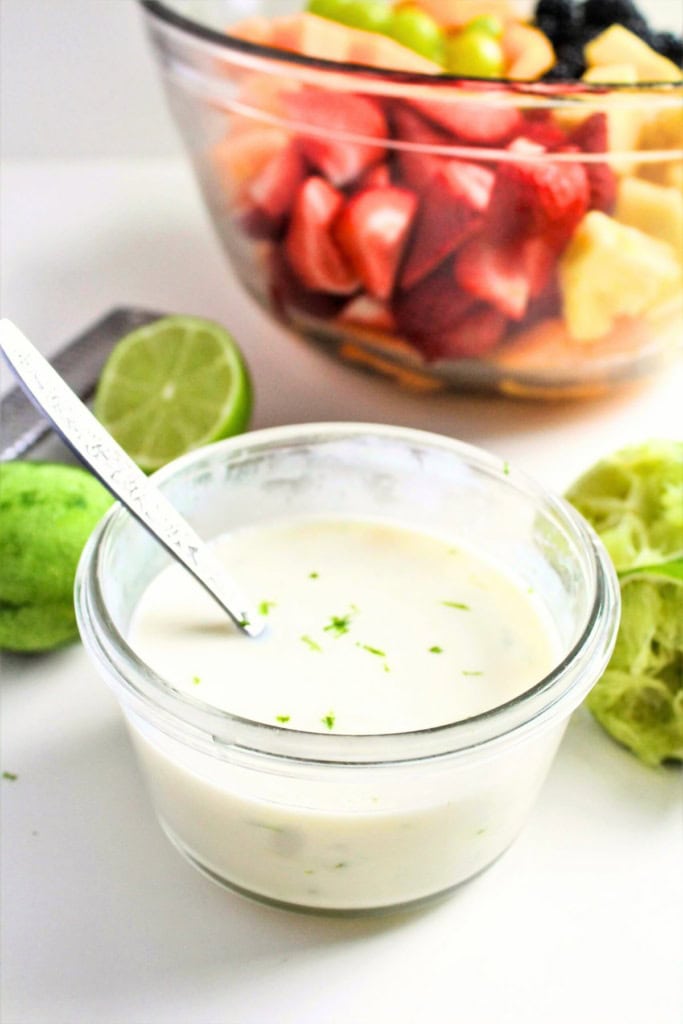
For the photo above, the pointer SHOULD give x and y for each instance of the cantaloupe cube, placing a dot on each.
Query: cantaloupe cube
(312, 36)
(253, 30)
(237, 159)
(528, 52)
(324, 39)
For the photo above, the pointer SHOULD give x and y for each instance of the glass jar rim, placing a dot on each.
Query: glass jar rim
(164, 14)
(201, 724)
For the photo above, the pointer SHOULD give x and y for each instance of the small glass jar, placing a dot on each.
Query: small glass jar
(343, 823)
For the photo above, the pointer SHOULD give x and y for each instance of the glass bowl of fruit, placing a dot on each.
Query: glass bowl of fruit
(456, 193)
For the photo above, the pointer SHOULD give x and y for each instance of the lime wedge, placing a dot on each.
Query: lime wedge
(172, 386)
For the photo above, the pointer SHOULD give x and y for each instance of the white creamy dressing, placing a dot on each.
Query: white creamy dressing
(373, 628)
(421, 634)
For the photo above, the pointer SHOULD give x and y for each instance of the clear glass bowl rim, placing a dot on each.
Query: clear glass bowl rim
(555, 696)
(161, 12)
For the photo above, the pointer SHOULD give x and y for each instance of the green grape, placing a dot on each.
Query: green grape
(335, 10)
(417, 30)
(488, 23)
(474, 54)
(370, 15)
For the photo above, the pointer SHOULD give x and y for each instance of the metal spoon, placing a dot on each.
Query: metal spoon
(98, 450)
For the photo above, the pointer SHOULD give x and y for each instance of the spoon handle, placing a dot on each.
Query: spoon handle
(98, 450)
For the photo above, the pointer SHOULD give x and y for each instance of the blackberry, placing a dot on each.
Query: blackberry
(560, 72)
(570, 63)
(603, 13)
(554, 9)
(557, 18)
(639, 27)
(669, 45)
(588, 32)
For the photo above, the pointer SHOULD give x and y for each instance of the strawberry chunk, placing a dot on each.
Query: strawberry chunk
(378, 176)
(286, 291)
(417, 168)
(338, 120)
(540, 128)
(269, 195)
(538, 257)
(493, 273)
(237, 159)
(602, 186)
(452, 207)
(508, 274)
(480, 329)
(310, 248)
(474, 122)
(433, 306)
(591, 136)
(545, 197)
(371, 232)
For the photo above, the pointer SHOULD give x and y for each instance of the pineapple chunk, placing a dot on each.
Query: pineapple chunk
(663, 172)
(617, 45)
(611, 270)
(657, 210)
(612, 74)
(624, 120)
(674, 175)
(664, 130)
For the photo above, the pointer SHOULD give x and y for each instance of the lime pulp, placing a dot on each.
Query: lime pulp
(173, 386)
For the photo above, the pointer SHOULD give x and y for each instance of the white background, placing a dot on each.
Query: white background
(102, 922)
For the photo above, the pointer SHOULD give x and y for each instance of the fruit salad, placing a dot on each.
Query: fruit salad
(513, 221)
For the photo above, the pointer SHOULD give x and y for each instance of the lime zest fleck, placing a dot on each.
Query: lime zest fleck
(436, 649)
(341, 864)
(371, 650)
(457, 604)
(328, 720)
(340, 624)
(472, 672)
(282, 718)
(310, 642)
(506, 468)
(243, 623)
(196, 680)
(265, 606)
(10, 776)
(313, 575)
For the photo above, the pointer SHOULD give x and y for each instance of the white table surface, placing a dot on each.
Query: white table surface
(102, 922)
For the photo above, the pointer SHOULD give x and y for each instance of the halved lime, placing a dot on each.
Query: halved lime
(172, 386)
